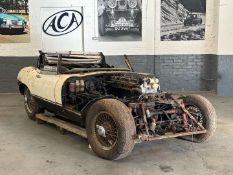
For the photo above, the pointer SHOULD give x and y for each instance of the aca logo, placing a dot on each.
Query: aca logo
(62, 23)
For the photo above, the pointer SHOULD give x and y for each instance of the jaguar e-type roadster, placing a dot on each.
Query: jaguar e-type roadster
(113, 107)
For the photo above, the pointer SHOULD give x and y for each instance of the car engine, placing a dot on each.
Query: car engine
(155, 113)
(142, 95)
(122, 87)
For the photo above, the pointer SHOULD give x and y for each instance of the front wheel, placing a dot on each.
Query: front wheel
(204, 113)
(110, 129)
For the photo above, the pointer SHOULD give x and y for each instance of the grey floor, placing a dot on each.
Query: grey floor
(27, 148)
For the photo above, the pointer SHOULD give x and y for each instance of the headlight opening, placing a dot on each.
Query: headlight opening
(132, 3)
(112, 3)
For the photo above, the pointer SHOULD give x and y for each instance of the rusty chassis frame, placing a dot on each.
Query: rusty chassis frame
(68, 126)
(147, 137)
(71, 127)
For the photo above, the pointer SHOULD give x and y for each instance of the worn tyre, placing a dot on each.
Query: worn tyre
(31, 106)
(209, 116)
(101, 25)
(119, 127)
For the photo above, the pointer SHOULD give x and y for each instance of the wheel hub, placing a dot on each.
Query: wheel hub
(106, 130)
(29, 101)
(101, 131)
(195, 112)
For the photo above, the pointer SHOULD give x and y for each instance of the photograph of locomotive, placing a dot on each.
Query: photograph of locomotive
(183, 20)
(120, 20)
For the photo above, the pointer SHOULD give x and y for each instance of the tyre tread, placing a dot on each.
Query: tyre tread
(210, 117)
(126, 122)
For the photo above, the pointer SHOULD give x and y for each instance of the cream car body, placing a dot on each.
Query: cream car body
(48, 85)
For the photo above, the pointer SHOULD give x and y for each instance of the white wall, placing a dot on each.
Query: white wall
(90, 28)
(150, 43)
(225, 38)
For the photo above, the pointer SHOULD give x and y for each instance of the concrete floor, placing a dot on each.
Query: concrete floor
(28, 148)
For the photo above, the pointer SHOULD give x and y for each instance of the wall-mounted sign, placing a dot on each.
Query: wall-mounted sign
(63, 22)
(183, 20)
(62, 28)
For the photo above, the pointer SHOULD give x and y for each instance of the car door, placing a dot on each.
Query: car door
(43, 84)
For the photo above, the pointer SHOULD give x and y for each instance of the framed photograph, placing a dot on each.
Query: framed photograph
(120, 20)
(14, 21)
(183, 20)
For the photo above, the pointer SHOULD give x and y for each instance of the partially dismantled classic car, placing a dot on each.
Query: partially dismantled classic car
(119, 15)
(114, 108)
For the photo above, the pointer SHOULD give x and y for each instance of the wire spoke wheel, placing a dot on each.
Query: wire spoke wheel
(203, 111)
(110, 129)
(29, 102)
(197, 114)
(31, 106)
(106, 130)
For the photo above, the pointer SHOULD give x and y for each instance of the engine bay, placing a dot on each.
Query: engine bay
(155, 113)
(125, 87)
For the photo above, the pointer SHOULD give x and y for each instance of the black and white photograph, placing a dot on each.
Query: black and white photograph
(120, 20)
(183, 20)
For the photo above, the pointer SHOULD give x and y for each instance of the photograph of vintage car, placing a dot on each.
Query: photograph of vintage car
(183, 20)
(114, 108)
(120, 20)
(192, 19)
(14, 22)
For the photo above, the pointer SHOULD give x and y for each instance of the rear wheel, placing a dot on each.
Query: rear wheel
(110, 129)
(31, 106)
(204, 113)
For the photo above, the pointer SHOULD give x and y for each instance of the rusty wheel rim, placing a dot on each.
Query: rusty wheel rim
(29, 102)
(106, 130)
(195, 112)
